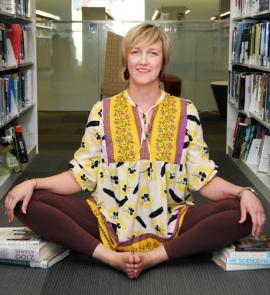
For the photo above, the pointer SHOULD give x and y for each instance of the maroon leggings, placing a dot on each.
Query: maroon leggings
(70, 222)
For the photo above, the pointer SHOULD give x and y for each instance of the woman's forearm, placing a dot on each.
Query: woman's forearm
(218, 189)
(63, 183)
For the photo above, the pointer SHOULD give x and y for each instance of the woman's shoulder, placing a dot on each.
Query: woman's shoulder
(113, 97)
(189, 104)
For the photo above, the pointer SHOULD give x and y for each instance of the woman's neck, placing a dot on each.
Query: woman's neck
(144, 97)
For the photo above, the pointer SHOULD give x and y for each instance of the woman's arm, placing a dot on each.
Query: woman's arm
(218, 189)
(62, 184)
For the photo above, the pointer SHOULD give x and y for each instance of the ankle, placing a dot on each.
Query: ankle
(104, 254)
(158, 255)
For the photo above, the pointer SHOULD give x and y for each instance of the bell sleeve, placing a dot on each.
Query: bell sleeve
(85, 164)
(200, 169)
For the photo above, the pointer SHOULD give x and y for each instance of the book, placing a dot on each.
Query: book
(29, 252)
(265, 154)
(231, 267)
(19, 236)
(230, 252)
(239, 139)
(250, 243)
(47, 262)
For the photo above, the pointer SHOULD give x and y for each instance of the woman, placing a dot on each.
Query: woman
(141, 154)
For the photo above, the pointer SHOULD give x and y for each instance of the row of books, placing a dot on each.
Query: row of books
(13, 44)
(21, 246)
(14, 94)
(13, 150)
(251, 143)
(250, 91)
(242, 8)
(251, 43)
(245, 254)
(16, 7)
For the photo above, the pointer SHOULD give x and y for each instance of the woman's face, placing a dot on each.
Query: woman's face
(144, 63)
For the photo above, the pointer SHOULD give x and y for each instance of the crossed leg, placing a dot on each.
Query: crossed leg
(206, 228)
(70, 222)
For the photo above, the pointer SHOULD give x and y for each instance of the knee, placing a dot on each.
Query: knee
(230, 204)
(38, 195)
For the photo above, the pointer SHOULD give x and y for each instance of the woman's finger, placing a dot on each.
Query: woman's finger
(243, 214)
(10, 204)
(25, 203)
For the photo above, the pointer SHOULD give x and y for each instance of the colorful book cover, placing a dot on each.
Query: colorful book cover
(18, 235)
(250, 243)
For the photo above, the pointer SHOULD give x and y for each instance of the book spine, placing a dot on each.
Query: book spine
(248, 255)
(18, 253)
(20, 243)
(23, 155)
(248, 260)
(16, 262)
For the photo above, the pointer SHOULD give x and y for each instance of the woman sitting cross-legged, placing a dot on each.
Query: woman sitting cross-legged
(141, 155)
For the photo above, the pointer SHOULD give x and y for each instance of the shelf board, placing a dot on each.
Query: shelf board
(22, 111)
(20, 66)
(250, 66)
(260, 180)
(13, 18)
(43, 27)
(252, 115)
(6, 181)
(258, 15)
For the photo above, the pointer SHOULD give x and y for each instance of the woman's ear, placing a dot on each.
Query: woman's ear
(126, 74)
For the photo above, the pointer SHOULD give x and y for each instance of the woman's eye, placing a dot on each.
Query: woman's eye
(134, 52)
(154, 53)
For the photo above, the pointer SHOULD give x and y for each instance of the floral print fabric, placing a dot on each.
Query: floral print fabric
(140, 193)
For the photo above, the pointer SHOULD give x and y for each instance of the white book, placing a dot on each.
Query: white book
(11, 60)
(48, 262)
(265, 154)
(230, 252)
(253, 155)
(19, 236)
(29, 253)
(8, 6)
(230, 267)
(253, 87)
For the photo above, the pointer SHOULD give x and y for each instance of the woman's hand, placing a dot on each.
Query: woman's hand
(21, 192)
(250, 204)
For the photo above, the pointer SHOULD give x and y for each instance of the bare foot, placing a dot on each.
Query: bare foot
(123, 261)
(144, 261)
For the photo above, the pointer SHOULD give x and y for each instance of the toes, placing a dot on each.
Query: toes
(131, 274)
(131, 258)
(137, 258)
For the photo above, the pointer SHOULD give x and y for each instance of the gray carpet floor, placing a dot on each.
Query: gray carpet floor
(59, 135)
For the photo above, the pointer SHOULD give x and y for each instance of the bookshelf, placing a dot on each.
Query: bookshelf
(249, 56)
(22, 109)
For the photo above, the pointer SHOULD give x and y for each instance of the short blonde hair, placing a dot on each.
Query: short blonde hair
(146, 34)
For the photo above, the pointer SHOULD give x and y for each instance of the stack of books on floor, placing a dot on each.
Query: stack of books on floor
(21, 246)
(246, 254)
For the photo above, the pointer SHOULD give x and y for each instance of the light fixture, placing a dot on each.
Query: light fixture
(187, 11)
(224, 14)
(213, 18)
(156, 15)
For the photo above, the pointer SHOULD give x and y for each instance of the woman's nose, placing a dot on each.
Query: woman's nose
(143, 58)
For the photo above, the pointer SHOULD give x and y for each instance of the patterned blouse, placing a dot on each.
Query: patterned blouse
(140, 172)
